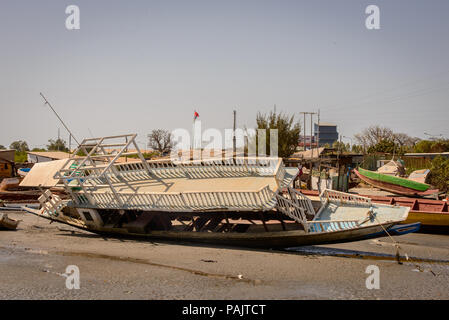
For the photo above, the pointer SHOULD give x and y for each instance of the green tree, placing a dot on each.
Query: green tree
(357, 148)
(57, 145)
(378, 137)
(341, 146)
(160, 140)
(288, 131)
(385, 145)
(2, 147)
(19, 146)
(429, 146)
(439, 173)
(440, 146)
(423, 146)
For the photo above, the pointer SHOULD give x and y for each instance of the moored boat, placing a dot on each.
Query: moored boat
(428, 212)
(391, 183)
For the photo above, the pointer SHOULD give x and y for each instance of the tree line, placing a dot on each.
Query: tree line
(374, 139)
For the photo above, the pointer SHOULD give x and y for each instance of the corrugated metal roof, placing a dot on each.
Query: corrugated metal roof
(426, 154)
(307, 154)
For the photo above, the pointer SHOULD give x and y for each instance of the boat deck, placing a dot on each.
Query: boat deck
(352, 212)
(235, 184)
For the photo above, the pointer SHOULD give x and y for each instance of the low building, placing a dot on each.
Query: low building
(422, 160)
(6, 163)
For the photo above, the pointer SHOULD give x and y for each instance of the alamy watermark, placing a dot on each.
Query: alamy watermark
(212, 144)
(72, 274)
(373, 280)
(372, 22)
(73, 21)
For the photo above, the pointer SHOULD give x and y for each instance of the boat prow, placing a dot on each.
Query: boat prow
(393, 184)
(6, 223)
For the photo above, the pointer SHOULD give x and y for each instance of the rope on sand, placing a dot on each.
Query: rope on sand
(396, 244)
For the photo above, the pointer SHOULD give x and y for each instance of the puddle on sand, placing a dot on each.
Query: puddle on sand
(344, 253)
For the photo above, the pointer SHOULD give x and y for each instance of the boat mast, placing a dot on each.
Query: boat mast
(68, 130)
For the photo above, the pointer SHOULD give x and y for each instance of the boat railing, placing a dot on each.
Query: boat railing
(133, 171)
(301, 200)
(180, 201)
(50, 203)
(291, 209)
(331, 225)
(343, 198)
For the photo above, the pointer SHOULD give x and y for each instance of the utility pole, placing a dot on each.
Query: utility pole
(318, 135)
(234, 147)
(311, 128)
(338, 165)
(311, 147)
(319, 158)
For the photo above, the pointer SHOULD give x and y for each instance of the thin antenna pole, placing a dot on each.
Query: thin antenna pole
(234, 147)
(318, 135)
(48, 103)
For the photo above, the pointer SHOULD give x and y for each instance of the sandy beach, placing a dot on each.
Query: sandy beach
(34, 258)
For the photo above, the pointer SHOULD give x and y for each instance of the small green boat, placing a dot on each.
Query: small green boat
(391, 183)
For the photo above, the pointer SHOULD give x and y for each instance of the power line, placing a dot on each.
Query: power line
(381, 92)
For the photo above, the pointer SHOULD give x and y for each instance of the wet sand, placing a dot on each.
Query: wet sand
(33, 260)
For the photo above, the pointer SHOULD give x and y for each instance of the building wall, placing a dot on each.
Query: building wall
(328, 134)
(5, 170)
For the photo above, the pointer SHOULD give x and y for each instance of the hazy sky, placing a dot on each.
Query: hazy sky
(139, 65)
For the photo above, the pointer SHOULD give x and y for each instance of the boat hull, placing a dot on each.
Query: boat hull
(6, 223)
(275, 239)
(394, 188)
(430, 213)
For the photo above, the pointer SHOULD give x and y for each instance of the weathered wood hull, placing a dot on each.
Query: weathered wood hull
(263, 239)
(6, 223)
(281, 239)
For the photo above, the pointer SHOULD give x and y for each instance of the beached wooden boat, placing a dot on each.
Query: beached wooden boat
(7, 223)
(23, 171)
(391, 183)
(428, 212)
(232, 201)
